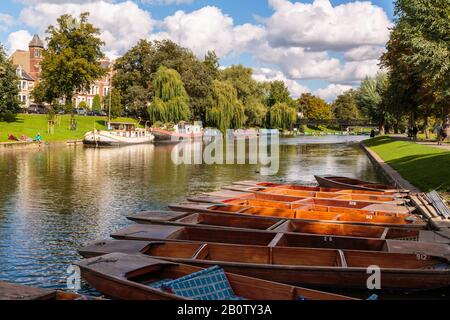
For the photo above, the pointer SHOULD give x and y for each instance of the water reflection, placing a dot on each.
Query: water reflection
(55, 200)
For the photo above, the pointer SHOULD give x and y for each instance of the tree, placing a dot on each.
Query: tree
(371, 98)
(170, 100)
(135, 72)
(72, 60)
(115, 102)
(418, 60)
(9, 89)
(249, 92)
(227, 112)
(279, 93)
(314, 108)
(345, 107)
(282, 116)
(97, 103)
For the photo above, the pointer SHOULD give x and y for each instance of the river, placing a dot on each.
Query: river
(55, 200)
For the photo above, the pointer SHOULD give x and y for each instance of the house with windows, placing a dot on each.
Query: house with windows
(26, 85)
(28, 69)
(28, 64)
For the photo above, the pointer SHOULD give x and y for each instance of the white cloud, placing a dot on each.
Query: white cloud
(18, 40)
(6, 21)
(122, 24)
(355, 71)
(320, 26)
(364, 53)
(209, 29)
(167, 2)
(332, 91)
(267, 74)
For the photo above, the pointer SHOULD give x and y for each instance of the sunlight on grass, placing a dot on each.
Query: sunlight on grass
(426, 167)
(30, 125)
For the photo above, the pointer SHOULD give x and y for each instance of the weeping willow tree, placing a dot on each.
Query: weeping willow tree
(282, 116)
(227, 111)
(170, 100)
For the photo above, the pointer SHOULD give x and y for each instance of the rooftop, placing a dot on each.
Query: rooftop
(36, 42)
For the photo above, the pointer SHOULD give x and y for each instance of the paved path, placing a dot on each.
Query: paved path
(445, 146)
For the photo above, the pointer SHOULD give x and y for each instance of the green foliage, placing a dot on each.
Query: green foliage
(72, 60)
(345, 107)
(251, 93)
(9, 102)
(371, 99)
(135, 72)
(227, 111)
(82, 105)
(314, 107)
(170, 100)
(418, 60)
(282, 116)
(116, 103)
(279, 93)
(97, 103)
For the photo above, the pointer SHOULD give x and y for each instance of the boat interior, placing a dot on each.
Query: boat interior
(292, 226)
(317, 213)
(292, 256)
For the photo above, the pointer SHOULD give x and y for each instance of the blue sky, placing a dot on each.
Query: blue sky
(321, 46)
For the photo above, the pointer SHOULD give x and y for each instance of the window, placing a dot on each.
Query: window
(105, 91)
(37, 53)
(23, 84)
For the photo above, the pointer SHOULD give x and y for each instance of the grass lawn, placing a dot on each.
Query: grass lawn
(31, 124)
(426, 167)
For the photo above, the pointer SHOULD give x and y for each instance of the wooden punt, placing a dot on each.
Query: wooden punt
(12, 291)
(274, 239)
(135, 276)
(246, 222)
(290, 194)
(265, 184)
(295, 266)
(290, 202)
(329, 181)
(314, 213)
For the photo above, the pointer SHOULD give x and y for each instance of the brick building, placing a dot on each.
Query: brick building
(28, 65)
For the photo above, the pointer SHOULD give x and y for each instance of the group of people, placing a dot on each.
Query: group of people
(24, 138)
(412, 133)
(442, 132)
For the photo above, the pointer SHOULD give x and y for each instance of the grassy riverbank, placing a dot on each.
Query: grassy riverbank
(31, 124)
(426, 167)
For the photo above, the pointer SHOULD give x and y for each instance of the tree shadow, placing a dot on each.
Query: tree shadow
(428, 171)
(378, 141)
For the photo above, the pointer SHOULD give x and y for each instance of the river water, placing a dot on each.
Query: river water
(55, 200)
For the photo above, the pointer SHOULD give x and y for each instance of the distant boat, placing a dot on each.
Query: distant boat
(178, 133)
(120, 134)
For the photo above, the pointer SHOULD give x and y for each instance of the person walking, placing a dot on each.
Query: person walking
(439, 128)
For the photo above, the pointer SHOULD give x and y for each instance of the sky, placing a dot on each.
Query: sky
(319, 46)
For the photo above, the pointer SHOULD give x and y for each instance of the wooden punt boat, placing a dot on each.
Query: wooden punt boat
(139, 277)
(12, 291)
(329, 181)
(290, 202)
(274, 239)
(246, 222)
(265, 184)
(314, 213)
(295, 266)
(294, 193)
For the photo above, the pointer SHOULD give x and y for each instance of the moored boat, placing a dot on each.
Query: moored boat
(12, 291)
(274, 239)
(121, 134)
(311, 212)
(330, 181)
(139, 277)
(295, 266)
(247, 222)
(266, 184)
(178, 133)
